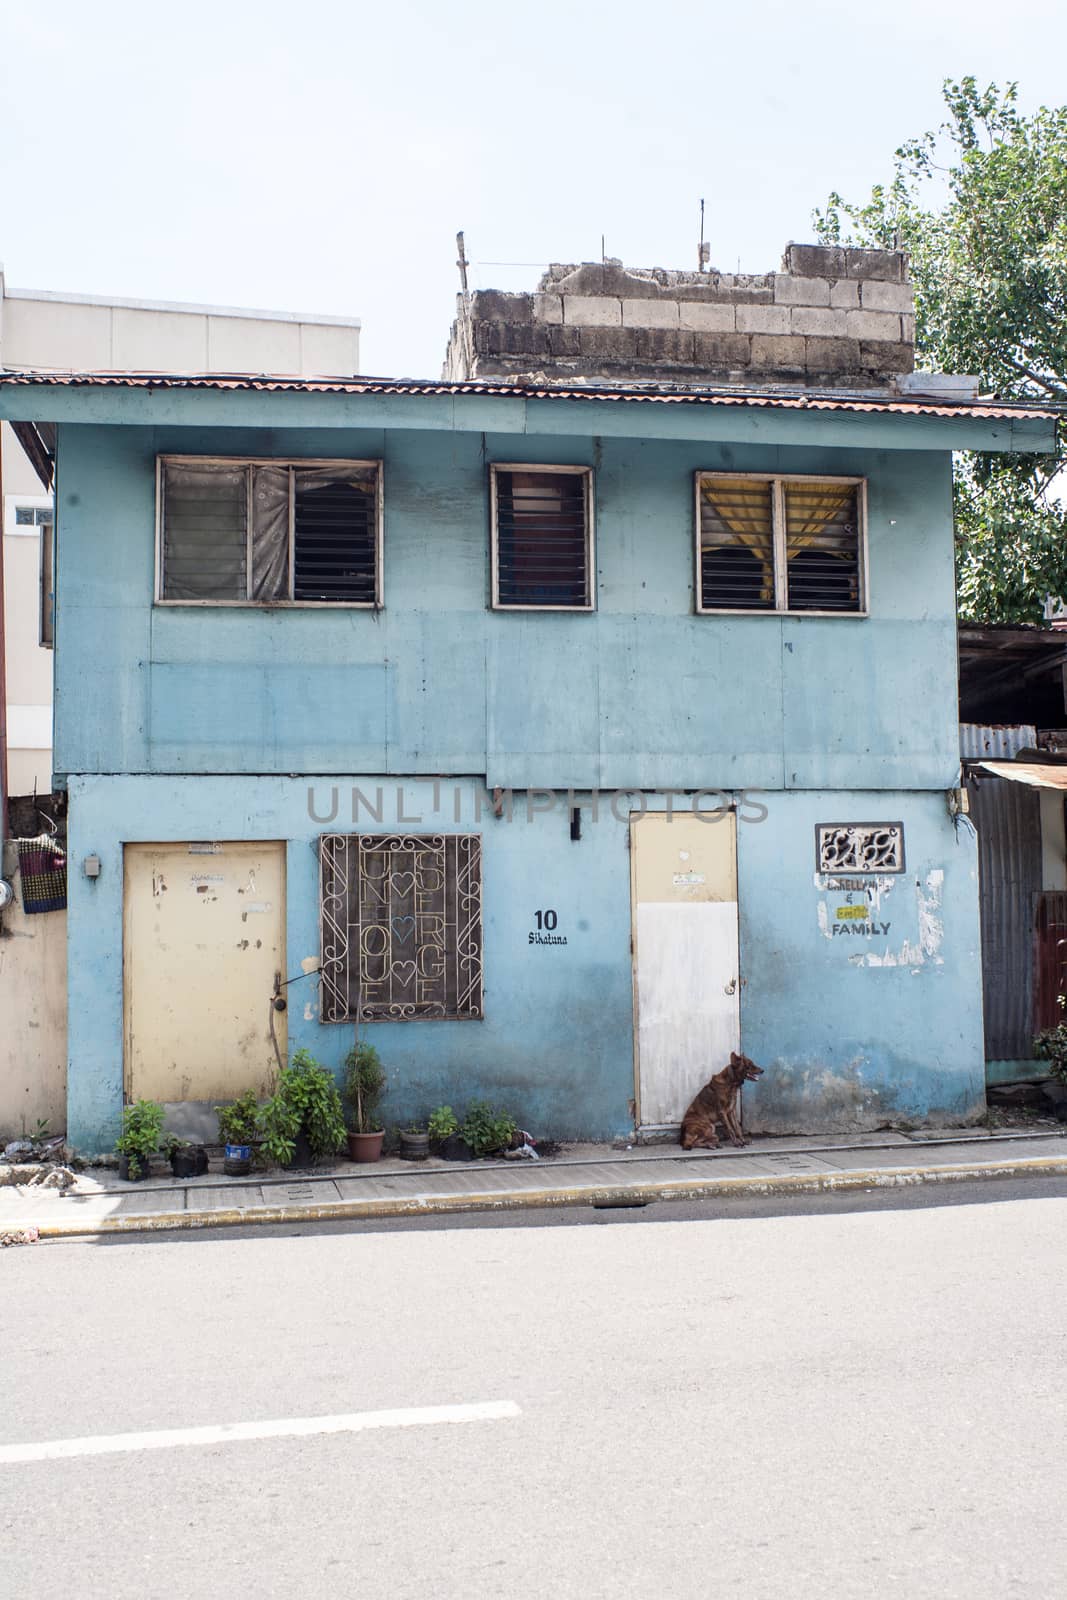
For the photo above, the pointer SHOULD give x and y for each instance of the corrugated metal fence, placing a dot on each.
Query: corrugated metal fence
(1008, 819)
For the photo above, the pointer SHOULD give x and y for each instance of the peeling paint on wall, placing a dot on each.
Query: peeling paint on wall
(916, 954)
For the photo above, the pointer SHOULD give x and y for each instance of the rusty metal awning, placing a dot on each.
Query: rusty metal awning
(1037, 774)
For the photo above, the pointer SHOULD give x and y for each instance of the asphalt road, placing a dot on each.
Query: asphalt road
(846, 1400)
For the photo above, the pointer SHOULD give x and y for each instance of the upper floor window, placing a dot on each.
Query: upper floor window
(780, 544)
(542, 537)
(268, 532)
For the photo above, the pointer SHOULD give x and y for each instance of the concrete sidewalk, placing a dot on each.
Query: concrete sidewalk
(583, 1175)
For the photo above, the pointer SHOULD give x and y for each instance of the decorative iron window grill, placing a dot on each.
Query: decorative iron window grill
(542, 537)
(780, 544)
(859, 847)
(401, 926)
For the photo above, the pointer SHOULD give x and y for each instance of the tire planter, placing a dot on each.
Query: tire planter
(189, 1163)
(145, 1164)
(365, 1146)
(237, 1160)
(414, 1145)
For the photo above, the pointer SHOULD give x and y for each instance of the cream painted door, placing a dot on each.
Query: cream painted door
(686, 979)
(203, 936)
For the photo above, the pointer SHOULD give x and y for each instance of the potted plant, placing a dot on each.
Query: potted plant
(238, 1132)
(414, 1144)
(445, 1138)
(363, 1084)
(1051, 1045)
(303, 1121)
(187, 1160)
(487, 1131)
(142, 1125)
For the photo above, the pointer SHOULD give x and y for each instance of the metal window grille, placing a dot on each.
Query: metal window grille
(269, 532)
(542, 543)
(780, 544)
(859, 847)
(401, 926)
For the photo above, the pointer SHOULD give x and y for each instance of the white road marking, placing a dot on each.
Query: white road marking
(234, 1432)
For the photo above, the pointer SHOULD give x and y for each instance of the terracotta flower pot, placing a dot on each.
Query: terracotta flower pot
(365, 1146)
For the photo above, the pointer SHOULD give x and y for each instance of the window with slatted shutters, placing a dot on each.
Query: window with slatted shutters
(780, 544)
(401, 926)
(542, 537)
(270, 532)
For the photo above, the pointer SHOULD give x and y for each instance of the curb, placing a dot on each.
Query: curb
(550, 1199)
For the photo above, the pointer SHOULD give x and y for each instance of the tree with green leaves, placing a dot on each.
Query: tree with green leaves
(980, 205)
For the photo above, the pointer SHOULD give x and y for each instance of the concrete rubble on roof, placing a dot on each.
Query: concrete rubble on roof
(830, 318)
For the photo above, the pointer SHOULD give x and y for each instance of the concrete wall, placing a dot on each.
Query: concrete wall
(832, 317)
(33, 1029)
(641, 692)
(854, 1030)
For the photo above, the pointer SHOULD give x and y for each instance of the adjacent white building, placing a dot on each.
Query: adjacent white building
(45, 330)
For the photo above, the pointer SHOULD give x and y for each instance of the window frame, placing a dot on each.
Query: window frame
(165, 458)
(778, 480)
(589, 497)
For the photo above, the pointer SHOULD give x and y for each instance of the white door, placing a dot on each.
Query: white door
(686, 979)
(204, 936)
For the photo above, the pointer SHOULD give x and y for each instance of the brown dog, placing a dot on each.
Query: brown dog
(717, 1102)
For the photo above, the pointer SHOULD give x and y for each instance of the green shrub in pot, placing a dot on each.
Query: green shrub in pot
(142, 1127)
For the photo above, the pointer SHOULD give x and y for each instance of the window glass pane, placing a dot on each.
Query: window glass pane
(542, 543)
(270, 533)
(204, 531)
(736, 545)
(24, 517)
(44, 516)
(822, 546)
(335, 543)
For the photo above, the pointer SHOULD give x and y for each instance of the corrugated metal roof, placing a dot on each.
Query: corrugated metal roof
(1036, 774)
(635, 393)
(978, 740)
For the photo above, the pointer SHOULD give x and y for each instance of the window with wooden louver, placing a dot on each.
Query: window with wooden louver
(542, 537)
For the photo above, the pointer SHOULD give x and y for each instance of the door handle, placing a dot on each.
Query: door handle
(731, 987)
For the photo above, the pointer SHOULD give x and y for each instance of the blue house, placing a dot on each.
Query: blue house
(557, 726)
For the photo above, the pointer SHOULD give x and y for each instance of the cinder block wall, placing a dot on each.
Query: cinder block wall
(831, 318)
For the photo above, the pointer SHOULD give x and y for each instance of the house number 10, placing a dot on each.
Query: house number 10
(546, 920)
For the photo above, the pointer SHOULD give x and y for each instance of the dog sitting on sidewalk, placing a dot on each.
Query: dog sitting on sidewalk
(717, 1102)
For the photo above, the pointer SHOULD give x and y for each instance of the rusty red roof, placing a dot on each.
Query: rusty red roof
(663, 394)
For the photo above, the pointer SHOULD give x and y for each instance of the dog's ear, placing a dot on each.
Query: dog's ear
(735, 1058)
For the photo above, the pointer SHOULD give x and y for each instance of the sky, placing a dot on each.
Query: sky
(321, 156)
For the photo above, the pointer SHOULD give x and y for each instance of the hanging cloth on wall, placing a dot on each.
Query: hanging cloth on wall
(43, 873)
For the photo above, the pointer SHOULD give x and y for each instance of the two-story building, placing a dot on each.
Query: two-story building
(559, 727)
